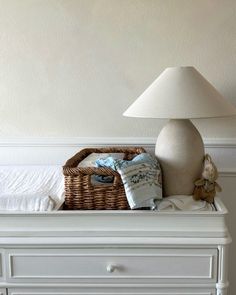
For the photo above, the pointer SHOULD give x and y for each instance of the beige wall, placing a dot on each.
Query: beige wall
(71, 67)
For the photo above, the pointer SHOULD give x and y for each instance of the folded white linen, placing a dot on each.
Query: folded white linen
(183, 203)
(26, 203)
(33, 180)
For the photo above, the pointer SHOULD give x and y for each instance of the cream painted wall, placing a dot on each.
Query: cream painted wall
(71, 67)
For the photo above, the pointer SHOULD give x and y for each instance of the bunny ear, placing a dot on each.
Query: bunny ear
(218, 187)
(208, 158)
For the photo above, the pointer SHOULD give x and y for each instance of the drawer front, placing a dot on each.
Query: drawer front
(111, 291)
(1, 268)
(112, 264)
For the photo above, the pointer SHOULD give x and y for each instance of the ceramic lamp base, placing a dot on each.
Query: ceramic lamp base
(180, 151)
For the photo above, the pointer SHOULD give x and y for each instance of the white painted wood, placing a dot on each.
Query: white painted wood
(101, 141)
(130, 265)
(154, 263)
(114, 231)
(1, 267)
(106, 242)
(116, 223)
(3, 291)
(55, 151)
(229, 198)
(134, 290)
(223, 284)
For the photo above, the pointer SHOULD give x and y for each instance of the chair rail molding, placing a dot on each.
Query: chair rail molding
(101, 141)
(56, 150)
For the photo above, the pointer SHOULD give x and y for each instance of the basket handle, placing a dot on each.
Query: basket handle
(78, 157)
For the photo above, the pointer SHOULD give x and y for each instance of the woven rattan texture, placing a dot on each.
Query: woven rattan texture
(81, 194)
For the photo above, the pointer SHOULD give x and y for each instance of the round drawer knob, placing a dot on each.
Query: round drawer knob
(111, 268)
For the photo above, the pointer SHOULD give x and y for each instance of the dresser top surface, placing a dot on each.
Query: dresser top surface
(125, 224)
(221, 210)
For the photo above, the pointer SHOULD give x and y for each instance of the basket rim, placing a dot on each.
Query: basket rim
(89, 171)
(73, 162)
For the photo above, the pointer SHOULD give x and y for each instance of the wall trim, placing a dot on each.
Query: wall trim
(220, 142)
(56, 150)
(101, 141)
(227, 173)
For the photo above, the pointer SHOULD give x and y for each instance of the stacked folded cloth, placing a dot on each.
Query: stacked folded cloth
(31, 188)
(140, 178)
(142, 182)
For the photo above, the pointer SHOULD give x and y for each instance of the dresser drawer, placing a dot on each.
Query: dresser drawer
(112, 265)
(111, 291)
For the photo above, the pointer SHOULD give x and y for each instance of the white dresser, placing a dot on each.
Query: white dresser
(112, 253)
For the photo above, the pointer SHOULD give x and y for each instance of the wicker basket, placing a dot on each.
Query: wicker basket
(82, 194)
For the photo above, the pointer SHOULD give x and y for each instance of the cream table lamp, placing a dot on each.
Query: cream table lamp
(180, 94)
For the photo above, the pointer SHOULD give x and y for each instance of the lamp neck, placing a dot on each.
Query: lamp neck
(182, 123)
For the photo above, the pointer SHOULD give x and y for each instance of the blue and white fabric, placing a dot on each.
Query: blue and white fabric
(140, 177)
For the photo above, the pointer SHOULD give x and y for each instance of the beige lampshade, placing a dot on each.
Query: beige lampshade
(180, 93)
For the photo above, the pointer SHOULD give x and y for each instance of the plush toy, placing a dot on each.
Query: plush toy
(206, 187)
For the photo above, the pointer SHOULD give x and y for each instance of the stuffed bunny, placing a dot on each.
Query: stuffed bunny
(206, 187)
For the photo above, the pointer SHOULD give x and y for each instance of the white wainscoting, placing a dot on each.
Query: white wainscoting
(55, 151)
